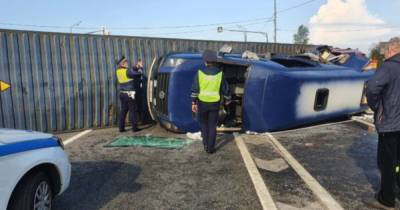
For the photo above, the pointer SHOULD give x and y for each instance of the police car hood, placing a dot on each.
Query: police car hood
(9, 136)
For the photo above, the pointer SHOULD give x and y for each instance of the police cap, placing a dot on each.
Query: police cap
(210, 56)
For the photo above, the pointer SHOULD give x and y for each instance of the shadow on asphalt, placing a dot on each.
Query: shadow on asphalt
(363, 152)
(96, 183)
(224, 140)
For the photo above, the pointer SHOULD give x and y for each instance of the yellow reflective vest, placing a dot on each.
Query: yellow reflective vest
(210, 86)
(122, 77)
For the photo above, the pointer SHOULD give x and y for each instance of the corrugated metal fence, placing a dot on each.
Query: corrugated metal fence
(63, 82)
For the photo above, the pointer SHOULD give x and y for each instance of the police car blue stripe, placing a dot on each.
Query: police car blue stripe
(24, 146)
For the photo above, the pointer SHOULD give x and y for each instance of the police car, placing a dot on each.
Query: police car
(33, 169)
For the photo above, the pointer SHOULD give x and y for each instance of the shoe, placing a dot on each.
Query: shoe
(136, 129)
(211, 151)
(122, 130)
(374, 203)
(205, 148)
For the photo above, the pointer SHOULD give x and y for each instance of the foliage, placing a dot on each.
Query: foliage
(376, 55)
(301, 37)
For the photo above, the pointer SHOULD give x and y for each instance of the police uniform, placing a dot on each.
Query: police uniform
(207, 87)
(127, 95)
(139, 96)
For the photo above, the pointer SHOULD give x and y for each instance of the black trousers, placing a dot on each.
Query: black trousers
(208, 117)
(127, 104)
(388, 160)
(139, 104)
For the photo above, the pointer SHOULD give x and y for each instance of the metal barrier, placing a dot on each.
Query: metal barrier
(64, 82)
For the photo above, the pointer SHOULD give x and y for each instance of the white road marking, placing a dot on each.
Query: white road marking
(321, 193)
(258, 182)
(77, 136)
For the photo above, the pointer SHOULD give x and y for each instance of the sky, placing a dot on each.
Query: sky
(343, 23)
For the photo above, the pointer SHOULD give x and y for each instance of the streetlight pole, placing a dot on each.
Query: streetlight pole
(245, 32)
(103, 31)
(73, 25)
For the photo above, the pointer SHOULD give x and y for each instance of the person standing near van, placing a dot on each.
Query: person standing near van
(127, 94)
(138, 86)
(383, 95)
(208, 85)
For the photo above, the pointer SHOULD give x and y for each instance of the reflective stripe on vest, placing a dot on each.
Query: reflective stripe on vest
(210, 86)
(121, 76)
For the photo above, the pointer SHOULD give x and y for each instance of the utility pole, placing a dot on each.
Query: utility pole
(275, 21)
(244, 32)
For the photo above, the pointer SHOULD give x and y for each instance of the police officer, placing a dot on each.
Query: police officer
(207, 87)
(127, 92)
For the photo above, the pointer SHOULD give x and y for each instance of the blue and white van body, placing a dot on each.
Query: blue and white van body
(274, 94)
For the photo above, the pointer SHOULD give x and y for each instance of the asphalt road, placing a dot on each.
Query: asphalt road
(341, 157)
(286, 187)
(148, 178)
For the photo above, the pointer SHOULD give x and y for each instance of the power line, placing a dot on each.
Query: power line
(268, 19)
(36, 26)
(191, 26)
(295, 6)
(265, 20)
(247, 22)
(199, 31)
(139, 28)
(178, 33)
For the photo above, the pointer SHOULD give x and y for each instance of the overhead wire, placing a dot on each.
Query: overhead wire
(199, 31)
(295, 6)
(138, 28)
(265, 19)
(46, 26)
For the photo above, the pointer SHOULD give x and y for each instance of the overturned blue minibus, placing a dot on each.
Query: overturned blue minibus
(271, 94)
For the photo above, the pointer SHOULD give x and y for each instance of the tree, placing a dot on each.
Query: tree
(376, 55)
(301, 37)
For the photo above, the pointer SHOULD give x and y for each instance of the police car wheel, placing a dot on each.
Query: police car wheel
(33, 193)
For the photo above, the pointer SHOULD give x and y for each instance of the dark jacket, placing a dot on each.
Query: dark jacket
(211, 70)
(383, 95)
(133, 84)
(137, 78)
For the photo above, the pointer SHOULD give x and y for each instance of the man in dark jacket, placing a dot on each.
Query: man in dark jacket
(383, 94)
(207, 87)
(138, 70)
(138, 85)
